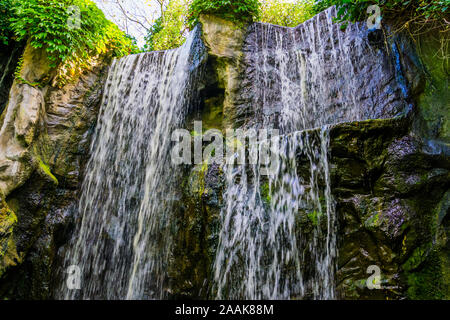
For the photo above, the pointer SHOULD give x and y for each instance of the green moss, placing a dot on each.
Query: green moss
(418, 256)
(212, 116)
(198, 180)
(7, 217)
(195, 133)
(46, 170)
(446, 274)
(314, 217)
(433, 103)
(265, 193)
(8, 253)
(427, 283)
(373, 221)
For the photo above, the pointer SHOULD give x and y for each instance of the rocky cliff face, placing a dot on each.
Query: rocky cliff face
(45, 137)
(389, 171)
(392, 201)
(390, 175)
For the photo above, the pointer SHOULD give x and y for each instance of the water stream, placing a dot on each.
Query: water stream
(278, 238)
(123, 240)
(278, 231)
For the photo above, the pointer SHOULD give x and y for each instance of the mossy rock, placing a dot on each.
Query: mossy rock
(8, 251)
(434, 110)
(427, 281)
(46, 172)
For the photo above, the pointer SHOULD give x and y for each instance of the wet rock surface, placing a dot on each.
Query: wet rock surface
(389, 182)
(45, 144)
(338, 73)
(388, 189)
(224, 41)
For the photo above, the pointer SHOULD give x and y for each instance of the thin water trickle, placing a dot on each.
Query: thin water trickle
(6, 69)
(262, 252)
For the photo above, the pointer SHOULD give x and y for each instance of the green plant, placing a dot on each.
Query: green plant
(5, 16)
(239, 11)
(19, 78)
(288, 14)
(266, 193)
(314, 217)
(150, 38)
(169, 33)
(70, 42)
(416, 17)
(403, 11)
(426, 280)
(46, 170)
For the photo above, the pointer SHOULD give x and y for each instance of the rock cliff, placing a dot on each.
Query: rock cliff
(45, 137)
(390, 169)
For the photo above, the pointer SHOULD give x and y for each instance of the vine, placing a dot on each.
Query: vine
(20, 79)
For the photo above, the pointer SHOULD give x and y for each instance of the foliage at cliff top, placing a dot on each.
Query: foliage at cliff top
(416, 17)
(169, 31)
(288, 14)
(70, 31)
(404, 13)
(67, 29)
(239, 11)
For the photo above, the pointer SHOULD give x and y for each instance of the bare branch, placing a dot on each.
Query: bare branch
(128, 17)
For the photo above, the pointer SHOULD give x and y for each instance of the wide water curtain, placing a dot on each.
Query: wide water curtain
(122, 243)
(283, 239)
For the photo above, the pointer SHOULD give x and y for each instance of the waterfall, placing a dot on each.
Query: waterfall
(267, 248)
(278, 237)
(312, 74)
(122, 241)
(6, 69)
(278, 231)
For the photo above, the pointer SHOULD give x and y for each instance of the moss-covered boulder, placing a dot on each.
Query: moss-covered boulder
(8, 250)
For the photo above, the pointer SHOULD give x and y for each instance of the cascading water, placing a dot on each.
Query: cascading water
(299, 67)
(278, 233)
(123, 241)
(261, 254)
(6, 69)
(266, 251)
